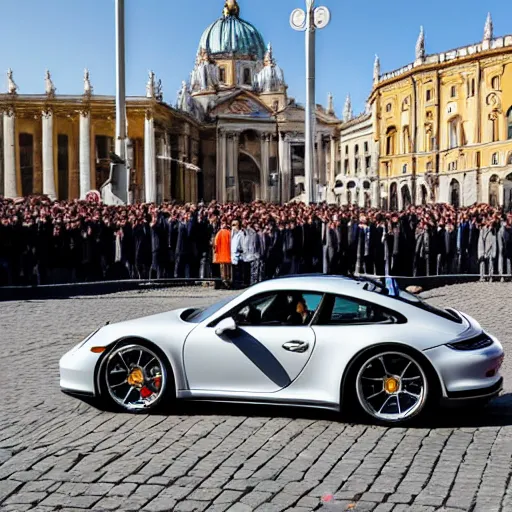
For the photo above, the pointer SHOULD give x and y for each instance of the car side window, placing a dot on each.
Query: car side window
(278, 309)
(348, 311)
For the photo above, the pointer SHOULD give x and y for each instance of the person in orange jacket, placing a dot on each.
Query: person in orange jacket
(222, 252)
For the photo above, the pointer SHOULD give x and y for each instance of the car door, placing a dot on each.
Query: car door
(265, 354)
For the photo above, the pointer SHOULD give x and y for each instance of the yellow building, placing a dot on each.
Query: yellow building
(444, 125)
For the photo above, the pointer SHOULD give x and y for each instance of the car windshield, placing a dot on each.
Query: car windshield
(198, 315)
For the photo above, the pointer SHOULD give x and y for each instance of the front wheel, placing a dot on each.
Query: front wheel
(135, 378)
(391, 387)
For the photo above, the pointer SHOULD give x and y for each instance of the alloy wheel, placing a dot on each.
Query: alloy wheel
(135, 377)
(391, 387)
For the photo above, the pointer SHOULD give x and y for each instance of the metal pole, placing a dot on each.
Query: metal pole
(310, 104)
(120, 145)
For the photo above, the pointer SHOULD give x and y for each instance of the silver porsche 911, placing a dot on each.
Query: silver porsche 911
(317, 341)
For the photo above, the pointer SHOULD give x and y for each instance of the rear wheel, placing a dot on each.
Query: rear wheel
(136, 378)
(391, 386)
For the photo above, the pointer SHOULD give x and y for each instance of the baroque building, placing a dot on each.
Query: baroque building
(357, 178)
(443, 124)
(233, 134)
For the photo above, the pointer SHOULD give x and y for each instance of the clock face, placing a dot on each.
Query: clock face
(298, 19)
(322, 17)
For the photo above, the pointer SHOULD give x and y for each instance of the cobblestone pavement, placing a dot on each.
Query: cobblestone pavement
(57, 453)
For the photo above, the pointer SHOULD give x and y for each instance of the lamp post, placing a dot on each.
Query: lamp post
(120, 172)
(308, 21)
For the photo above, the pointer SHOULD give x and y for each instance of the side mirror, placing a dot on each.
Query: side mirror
(228, 324)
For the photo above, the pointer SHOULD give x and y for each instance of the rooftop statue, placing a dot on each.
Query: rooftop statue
(12, 87)
(231, 8)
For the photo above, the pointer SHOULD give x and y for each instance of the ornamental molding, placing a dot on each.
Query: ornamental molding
(47, 112)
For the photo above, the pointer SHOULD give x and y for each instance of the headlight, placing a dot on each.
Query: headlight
(477, 343)
(82, 343)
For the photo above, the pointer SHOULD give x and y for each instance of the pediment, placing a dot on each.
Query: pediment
(242, 105)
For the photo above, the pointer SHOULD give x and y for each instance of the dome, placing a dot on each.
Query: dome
(232, 35)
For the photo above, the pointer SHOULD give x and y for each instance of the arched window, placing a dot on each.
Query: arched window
(509, 159)
(424, 195)
(495, 83)
(405, 104)
(404, 169)
(393, 197)
(406, 140)
(494, 191)
(509, 123)
(388, 107)
(390, 140)
(453, 133)
(406, 197)
(455, 193)
(247, 76)
(356, 149)
(495, 159)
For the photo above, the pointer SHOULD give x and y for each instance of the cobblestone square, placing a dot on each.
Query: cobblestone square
(58, 453)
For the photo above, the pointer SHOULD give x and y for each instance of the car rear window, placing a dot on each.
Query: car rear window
(414, 300)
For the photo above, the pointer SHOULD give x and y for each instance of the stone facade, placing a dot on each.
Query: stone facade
(233, 134)
(444, 126)
(357, 177)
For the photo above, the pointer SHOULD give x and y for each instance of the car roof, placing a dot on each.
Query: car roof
(315, 283)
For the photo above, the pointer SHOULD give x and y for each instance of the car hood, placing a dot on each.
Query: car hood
(163, 328)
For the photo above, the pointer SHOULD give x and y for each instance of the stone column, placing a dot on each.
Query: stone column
(10, 179)
(230, 185)
(149, 159)
(501, 193)
(49, 188)
(234, 159)
(233, 191)
(221, 166)
(160, 165)
(265, 171)
(285, 167)
(332, 177)
(85, 153)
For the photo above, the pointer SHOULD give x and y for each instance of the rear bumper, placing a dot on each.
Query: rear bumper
(467, 375)
(483, 395)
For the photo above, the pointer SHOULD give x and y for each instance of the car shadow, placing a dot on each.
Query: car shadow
(497, 413)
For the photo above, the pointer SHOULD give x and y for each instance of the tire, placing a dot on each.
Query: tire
(390, 386)
(135, 377)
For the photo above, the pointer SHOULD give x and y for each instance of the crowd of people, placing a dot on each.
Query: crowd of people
(49, 242)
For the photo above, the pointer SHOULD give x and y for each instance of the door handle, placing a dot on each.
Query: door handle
(296, 346)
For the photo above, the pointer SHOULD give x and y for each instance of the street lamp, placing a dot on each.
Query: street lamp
(308, 21)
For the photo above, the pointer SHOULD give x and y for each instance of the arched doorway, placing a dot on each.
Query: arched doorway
(406, 197)
(249, 178)
(351, 185)
(424, 195)
(367, 195)
(455, 193)
(393, 197)
(494, 191)
(507, 190)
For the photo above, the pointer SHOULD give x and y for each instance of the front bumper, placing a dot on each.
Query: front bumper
(77, 370)
(468, 375)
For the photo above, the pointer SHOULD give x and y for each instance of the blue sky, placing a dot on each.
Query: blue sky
(67, 35)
